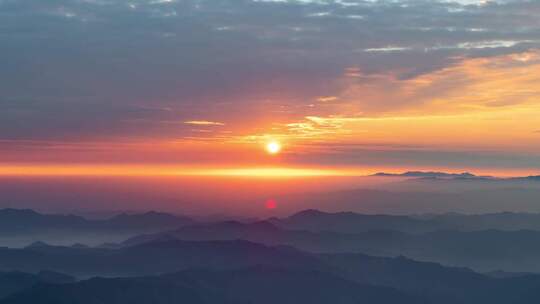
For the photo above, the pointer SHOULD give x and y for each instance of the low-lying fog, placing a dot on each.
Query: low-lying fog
(251, 196)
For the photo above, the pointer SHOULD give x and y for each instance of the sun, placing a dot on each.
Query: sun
(273, 147)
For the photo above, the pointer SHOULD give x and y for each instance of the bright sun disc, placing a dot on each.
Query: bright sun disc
(273, 147)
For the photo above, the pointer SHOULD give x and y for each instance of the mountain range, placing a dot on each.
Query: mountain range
(19, 227)
(18, 221)
(429, 174)
(487, 242)
(260, 284)
(484, 250)
(243, 272)
(308, 257)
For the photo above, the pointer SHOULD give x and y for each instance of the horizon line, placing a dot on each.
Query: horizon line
(260, 171)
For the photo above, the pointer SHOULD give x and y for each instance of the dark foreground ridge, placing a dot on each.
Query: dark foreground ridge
(250, 285)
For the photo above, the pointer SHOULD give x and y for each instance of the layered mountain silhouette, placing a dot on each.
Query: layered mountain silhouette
(505, 241)
(351, 222)
(308, 257)
(429, 174)
(438, 284)
(326, 278)
(446, 175)
(151, 258)
(15, 221)
(19, 227)
(483, 250)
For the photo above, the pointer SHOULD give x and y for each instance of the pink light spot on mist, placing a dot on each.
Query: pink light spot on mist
(271, 204)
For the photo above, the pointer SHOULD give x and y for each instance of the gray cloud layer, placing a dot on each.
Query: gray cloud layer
(101, 68)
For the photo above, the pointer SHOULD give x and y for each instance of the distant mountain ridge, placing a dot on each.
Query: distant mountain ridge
(463, 175)
(431, 174)
(353, 222)
(152, 257)
(243, 272)
(24, 220)
(484, 250)
(499, 241)
(19, 227)
(529, 178)
(345, 257)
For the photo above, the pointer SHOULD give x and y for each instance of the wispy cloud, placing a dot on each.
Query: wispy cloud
(203, 123)
(327, 98)
(388, 49)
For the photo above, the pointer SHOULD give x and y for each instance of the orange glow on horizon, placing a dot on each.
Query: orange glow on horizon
(150, 170)
(167, 170)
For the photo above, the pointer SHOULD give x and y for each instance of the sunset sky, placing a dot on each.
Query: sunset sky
(201, 87)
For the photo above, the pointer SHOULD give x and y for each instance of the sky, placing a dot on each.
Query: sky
(201, 86)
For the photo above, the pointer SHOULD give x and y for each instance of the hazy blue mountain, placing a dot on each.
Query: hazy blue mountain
(273, 273)
(528, 178)
(438, 284)
(13, 282)
(237, 262)
(264, 285)
(151, 258)
(145, 220)
(484, 250)
(333, 278)
(509, 221)
(20, 227)
(351, 222)
(262, 231)
(430, 280)
(404, 196)
(500, 274)
(14, 221)
(116, 291)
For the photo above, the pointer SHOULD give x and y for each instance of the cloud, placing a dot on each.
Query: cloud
(388, 49)
(204, 123)
(327, 98)
(478, 104)
(118, 71)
